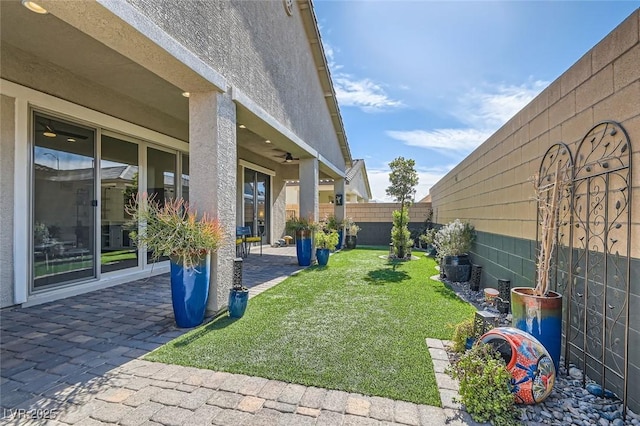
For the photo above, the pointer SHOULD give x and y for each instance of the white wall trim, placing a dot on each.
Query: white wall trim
(21, 206)
(256, 167)
(330, 165)
(58, 106)
(241, 98)
(105, 282)
(25, 100)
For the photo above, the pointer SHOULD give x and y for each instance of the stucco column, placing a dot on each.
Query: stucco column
(212, 183)
(309, 191)
(309, 184)
(340, 211)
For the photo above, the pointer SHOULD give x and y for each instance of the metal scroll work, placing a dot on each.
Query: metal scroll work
(593, 261)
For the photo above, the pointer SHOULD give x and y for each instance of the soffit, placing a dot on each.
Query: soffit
(57, 42)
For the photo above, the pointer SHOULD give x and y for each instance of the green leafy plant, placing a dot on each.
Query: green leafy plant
(403, 178)
(173, 229)
(485, 386)
(301, 224)
(461, 332)
(326, 239)
(332, 222)
(455, 238)
(400, 234)
(351, 227)
(429, 236)
(40, 233)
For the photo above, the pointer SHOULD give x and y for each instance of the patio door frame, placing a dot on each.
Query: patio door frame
(27, 101)
(246, 165)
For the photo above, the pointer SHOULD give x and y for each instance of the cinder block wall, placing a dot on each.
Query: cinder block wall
(375, 219)
(491, 187)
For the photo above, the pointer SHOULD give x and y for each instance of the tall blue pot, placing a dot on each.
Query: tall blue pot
(304, 240)
(323, 256)
(190, 292)
(540, 316)
(339, 245)
(238, 300)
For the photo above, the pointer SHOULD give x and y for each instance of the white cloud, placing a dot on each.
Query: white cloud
(491, 108)
(453, 142)
(362, 93)
(482, 111)
(379, 181)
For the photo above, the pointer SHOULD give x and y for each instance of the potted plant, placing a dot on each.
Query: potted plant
(325, 240)
(485, 388)
(352, 233)
(453, 242)
(538, 310)
(174, 230)
(303, 229)
(238, 298)
(428, 239)
(332, 222)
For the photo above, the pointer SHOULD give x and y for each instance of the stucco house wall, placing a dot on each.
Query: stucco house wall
(260, 50)
(491, 188)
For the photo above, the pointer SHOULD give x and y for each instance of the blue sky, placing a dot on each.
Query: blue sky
(431, 80)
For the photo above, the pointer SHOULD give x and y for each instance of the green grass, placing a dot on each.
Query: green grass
(357, 325)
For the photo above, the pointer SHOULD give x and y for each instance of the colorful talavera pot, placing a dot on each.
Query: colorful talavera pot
(532, 371)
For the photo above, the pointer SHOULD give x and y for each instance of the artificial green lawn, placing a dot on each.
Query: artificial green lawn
(357, 325)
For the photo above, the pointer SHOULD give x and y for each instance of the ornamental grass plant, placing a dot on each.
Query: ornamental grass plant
(172, 228)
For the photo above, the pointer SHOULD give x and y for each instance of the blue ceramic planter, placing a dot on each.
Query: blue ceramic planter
(539, 316)
(323, 256)
(339, 245)
(238, 300)
(303, 247)
(190, 292)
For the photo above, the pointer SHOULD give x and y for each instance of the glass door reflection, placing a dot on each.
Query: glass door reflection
(161, 179)
(118, 186)
(63, 202)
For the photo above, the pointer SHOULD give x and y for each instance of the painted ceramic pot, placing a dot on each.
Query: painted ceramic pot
(532, 371)
(540, 316)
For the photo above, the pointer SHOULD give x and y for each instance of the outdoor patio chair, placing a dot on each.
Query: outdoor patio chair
(244, 240)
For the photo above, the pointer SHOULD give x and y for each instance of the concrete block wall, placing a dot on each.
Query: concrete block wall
(491, 187)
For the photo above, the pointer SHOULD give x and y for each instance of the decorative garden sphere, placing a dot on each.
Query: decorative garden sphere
(532, 371)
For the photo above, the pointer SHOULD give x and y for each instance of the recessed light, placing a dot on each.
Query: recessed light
(71, 140)
(242, 126)
(34, 7)
(186, 94)
(267, 141)
(49, 134)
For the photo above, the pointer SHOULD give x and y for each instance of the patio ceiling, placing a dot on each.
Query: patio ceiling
(46, 39)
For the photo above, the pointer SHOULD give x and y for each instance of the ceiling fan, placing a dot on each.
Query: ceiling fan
(289, 158)
(51, 132)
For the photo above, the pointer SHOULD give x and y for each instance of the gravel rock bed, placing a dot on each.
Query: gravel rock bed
(569, 403)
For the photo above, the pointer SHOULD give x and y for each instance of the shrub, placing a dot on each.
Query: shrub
(400, 235)
(460, 334)
(485, 386)
(326, 239)
(455, 238)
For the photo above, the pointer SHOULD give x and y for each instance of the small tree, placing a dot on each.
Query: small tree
(404, 179)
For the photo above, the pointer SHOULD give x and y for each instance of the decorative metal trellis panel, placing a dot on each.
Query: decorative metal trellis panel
(593, 259)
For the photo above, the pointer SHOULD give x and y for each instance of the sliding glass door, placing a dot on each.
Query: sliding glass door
(118, 186)
(256, 202)
(64, 202)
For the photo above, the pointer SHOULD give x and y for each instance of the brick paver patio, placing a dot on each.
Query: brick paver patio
(75, 361)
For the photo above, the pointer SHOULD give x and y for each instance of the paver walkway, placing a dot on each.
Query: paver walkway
(75, 361)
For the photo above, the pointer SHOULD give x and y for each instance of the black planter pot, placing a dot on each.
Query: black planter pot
(457, 268)
(351, 241)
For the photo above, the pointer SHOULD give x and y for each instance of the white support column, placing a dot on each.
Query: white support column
(309, 185)
(340, 211)
(213, 177)
(309, 172)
